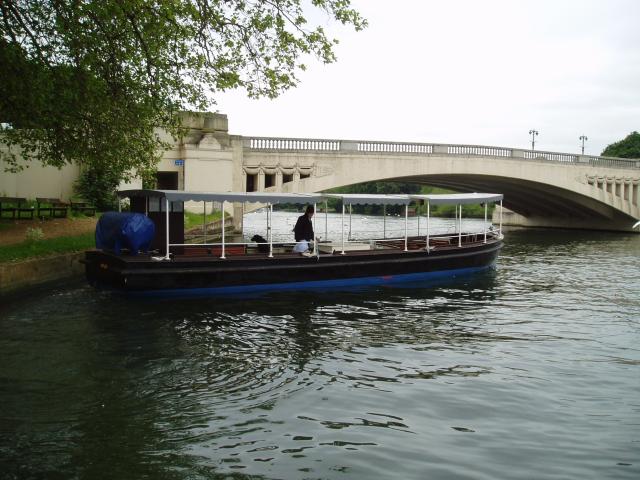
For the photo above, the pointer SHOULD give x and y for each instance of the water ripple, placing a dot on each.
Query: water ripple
(526, 371)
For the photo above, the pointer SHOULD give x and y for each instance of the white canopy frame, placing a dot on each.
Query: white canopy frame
(245, 197)
(370, 199)
(459, 199)
(313, 198)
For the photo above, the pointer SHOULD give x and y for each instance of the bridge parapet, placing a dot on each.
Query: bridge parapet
(301, 145)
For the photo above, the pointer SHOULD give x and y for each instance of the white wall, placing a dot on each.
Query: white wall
(38, 181)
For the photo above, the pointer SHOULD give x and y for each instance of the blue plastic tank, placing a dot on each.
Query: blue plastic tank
(118, 230)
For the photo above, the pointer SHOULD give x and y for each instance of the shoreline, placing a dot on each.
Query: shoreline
(17, 278)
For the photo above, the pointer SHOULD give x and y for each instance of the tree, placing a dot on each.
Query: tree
(97, 185)
(90, 81)
(626, 148)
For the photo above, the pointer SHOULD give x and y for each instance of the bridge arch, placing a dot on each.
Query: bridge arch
(541, 188)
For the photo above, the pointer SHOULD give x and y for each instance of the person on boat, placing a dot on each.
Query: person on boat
(303, 231)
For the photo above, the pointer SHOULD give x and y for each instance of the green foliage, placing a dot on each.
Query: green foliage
(449, 211)
(193, 219)
(88, 82)
(42, 248)
(387, 188)
(629, 147)
(97, 185)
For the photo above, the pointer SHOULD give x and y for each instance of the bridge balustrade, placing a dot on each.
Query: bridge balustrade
(394, 147)
(301, 144)
(479, 150)
(409, 148)
(613, 162)
(556, 157)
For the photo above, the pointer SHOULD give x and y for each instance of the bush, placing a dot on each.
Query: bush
(97, 185)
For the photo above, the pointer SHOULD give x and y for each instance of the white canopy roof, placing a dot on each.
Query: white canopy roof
(366, 198)
(305, 198)
(458, 198)
(250, 197)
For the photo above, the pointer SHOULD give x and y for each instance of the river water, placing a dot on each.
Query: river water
(528, 371)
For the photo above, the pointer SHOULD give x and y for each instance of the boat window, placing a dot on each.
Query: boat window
(156, 204)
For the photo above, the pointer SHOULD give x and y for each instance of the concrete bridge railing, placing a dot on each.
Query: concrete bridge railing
(300, 145)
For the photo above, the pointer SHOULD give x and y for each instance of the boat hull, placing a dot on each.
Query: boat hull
(143, 276)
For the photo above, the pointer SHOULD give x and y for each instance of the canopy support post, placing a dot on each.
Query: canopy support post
(204, 222)
(500, 229)
(223, 253)
(485, 222)
(315, 242)
(460, 227)
(350, 212)
(418, 215)
(428, 218)
(326, 220)
(342, 229)
(269, 229)
(166, 206)
(384, 221)
(242, 219)
(406, 227)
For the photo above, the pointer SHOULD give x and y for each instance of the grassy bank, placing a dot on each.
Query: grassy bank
(45, 247)
(42, 247)
(193, 219)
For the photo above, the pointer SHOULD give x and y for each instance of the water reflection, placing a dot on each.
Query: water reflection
(497, 372)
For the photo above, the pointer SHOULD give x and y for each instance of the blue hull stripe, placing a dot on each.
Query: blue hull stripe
(343, 282)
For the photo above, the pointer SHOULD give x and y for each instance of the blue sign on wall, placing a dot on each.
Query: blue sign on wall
(179, 163)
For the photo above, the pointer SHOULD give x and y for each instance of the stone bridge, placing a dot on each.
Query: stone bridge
(540, 188)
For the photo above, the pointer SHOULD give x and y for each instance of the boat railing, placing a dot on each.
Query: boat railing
(331, 246)
(455, 199)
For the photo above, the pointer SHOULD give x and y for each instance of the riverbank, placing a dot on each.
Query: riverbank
(53, 254)
(13, 232)
(18, 277)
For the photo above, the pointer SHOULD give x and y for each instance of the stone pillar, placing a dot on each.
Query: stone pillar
(208, 158)
(296, 180)
(441, 149)
(348, 146)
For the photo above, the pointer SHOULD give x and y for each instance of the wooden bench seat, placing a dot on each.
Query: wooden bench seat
(55, 207)
(16, 206)
(83, 207)
(439, 242)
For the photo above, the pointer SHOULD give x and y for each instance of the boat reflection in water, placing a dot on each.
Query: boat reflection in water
(177, 268)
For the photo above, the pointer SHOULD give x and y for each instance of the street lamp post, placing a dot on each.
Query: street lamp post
(583, 138)
(533, 134)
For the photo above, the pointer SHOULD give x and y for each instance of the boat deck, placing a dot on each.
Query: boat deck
(239, 253)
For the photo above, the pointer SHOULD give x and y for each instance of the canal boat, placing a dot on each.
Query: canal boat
(169, 266)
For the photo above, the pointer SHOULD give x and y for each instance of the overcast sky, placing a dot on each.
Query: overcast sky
(479, 72)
